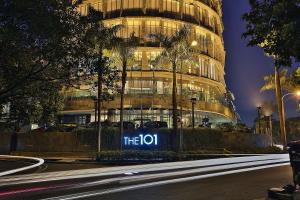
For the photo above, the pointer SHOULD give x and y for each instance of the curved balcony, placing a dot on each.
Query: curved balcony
(177, 11)
(154, 102)
(165, 74)
(166, 14)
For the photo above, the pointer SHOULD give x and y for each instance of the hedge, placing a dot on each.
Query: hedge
(158, 156)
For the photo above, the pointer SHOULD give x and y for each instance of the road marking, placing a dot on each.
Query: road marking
(158, 183)
(38, 164)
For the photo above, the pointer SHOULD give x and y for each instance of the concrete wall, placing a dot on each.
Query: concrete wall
(5, 139)
(86, 141)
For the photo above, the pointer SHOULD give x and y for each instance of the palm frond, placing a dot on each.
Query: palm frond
(270, 81)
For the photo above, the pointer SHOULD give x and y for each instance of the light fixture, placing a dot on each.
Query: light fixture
(194, 43)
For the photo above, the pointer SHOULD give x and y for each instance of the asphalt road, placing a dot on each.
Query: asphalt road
(243, 186)
(205, 180)
(6, 165)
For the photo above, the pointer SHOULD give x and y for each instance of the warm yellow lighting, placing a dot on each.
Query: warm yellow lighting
(194, 43)
(298, 93)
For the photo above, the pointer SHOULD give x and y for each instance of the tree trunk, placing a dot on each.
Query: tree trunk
(280, 106)
(174, 103)
(124, 78)
(99, 104)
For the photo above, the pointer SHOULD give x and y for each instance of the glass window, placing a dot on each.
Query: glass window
(188, 9)
(83, 10)
(153, 4)
(113, 5)
(133, 26)
(170, 28)
(199, 14)
(171, 6)
(151, 56)
(132, 4)
(152, 27)
(160, 87)
(206, 17)
(206, 66)
(212, 71)
(138, 57)
(200, 66)
(97, 6)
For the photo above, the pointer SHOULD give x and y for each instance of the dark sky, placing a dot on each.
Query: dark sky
(246, 66)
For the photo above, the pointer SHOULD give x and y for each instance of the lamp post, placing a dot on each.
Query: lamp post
(96, 109)
(193, 100)
(194, 43)
(297, 93)
(259, 118)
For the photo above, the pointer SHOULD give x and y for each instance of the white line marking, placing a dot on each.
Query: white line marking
(158, 183)
(39, 163)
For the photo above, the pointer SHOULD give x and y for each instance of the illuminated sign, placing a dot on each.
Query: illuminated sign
(141, 140)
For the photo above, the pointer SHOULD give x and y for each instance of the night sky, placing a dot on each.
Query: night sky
(246, 66)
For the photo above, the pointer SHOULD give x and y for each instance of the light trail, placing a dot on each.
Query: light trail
(158, 183)
(102, 172)
(149, 177)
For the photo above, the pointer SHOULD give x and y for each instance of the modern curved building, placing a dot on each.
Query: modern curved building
(148, 87)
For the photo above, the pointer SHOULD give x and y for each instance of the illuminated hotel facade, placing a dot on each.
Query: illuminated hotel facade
(148, 95)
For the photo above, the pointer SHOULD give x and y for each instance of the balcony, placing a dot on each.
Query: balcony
(150, 101)
(164, 14)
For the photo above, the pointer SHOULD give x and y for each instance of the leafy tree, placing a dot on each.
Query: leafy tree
(175, 50)
(40, 104)
(40, 42)
(274, 26)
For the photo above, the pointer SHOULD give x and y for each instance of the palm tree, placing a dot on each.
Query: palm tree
(175, 48)
(98, 38)
(271, 25)
(270, 81)
(123, 53)
(289, 83)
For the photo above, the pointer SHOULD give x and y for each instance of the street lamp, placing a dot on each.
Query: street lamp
(297, 93)
(96, 109)
(193, 100)
(292, 93)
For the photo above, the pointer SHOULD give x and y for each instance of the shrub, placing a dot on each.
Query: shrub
(226, 127)
(136, 155)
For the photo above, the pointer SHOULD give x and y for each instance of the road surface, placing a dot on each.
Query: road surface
(12, 164)
(230, 178)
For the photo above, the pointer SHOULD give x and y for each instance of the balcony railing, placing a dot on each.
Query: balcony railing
(149, 101)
